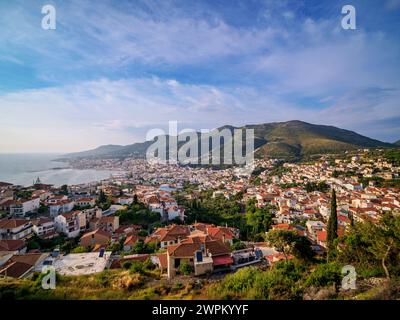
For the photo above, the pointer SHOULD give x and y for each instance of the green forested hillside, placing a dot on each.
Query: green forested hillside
(291, 140)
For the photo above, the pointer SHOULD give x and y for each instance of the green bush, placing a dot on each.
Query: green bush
(291, 269)
(324, 275)
(140, 247)
(79, 249)
(280, 282)
(137, 267)
(271, 285)
(186, 269)
(237, 245)
(234, 285)
(178, 286)
(33, 245)
(103, 278)
(127, 265)
(114, 247)
(149, 265)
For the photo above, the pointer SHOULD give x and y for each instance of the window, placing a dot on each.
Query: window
(177, 263)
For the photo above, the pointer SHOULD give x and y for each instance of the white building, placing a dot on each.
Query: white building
(15, 229)
(43, 227)
(59, 207)
(85, 202)
(124, 200)
(69, 223)
(21, 207)
(176, 212)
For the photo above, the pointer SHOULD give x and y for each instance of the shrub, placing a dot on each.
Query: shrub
(127, 265)
(178, 286)
(79, 249)
(290, 269)
(33, 245)
(186, 269)
(128, 281)
(149, 265)
(271, 285)
(234, 285)
(281, 282)
(238, 245)
(114, 247)
(103, 278)
(324, 275)
(137, 267)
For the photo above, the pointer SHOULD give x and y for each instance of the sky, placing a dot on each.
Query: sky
(113, 70)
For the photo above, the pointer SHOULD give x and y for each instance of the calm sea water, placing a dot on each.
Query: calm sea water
(23, 169)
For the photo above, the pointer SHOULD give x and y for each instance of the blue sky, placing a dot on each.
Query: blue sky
(112, 70)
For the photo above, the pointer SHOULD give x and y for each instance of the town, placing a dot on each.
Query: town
(196, 222)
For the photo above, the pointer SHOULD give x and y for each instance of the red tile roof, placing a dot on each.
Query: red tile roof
(11, 245)
(12, 223)
(132, 239)
(163, 259)
(15, 269)
(97, 233)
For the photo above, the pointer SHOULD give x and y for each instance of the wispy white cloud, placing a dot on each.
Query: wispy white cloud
(114, 71)
(105, 35)
(325, 59)
(121, 112)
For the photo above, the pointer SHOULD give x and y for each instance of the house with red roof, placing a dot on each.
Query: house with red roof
(170, 235)
(23, 206)
(131, 240)
(13, 245)
(204, 257)
(223, 234)
(22, 265)
(69, 223)
(276, 257)
(15, 229)
(44, 228)
(59, 204)
(95, 238)
(106, 223)
(85, 202)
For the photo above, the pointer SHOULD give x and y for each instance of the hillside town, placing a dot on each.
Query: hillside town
(142, 214)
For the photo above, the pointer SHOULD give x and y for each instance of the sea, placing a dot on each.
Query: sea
(24, 169)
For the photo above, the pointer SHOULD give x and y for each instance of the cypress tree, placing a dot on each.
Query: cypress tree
(332, 225)
(351, 220)
(102, 197)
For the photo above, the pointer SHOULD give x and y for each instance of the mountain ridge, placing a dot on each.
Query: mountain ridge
(290, 140)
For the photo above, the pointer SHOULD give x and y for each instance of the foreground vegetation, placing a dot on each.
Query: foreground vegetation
(373, 250)
(122, 284)
(292, 280)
